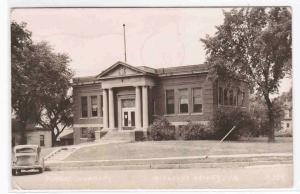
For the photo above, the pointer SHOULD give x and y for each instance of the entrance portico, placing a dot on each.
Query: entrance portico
(125, 97)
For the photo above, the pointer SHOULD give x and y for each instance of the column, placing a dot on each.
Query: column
(145, 107)
(111, 108)
(138, 107)
(105, 110)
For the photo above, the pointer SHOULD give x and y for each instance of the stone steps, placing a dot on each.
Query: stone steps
(118, 136)
(61, 154)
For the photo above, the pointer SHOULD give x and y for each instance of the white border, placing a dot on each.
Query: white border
(5, 61)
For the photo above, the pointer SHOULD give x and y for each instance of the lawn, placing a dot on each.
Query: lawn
(46, 151)
(159, 149)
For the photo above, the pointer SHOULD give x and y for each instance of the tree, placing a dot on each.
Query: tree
(55, 76)
(253, 44)
(40, 83)
(24, 96)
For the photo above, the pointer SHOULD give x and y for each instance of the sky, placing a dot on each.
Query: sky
(155, 37)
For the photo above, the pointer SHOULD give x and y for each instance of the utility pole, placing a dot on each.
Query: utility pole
(124, 43)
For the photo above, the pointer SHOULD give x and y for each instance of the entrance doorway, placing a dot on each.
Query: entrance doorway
(127, 114)
(128, 118)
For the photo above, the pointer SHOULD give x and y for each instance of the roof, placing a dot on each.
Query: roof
(66, 134)
(182, 69)
(16, 126)
(166, 71)
(90, 79)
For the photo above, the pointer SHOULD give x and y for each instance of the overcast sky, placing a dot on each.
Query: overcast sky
(156, 37)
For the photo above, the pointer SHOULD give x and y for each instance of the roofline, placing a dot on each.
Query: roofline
(126, 65)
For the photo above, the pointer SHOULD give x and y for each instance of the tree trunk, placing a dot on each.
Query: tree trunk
(23, 139)
(271, 137)
(53, 138)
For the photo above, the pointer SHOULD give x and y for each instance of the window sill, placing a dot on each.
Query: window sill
(183, 114)
(197, 113)
(231, 106)
(95, 117)
(83, 118)
(170, 115)
(83, 138)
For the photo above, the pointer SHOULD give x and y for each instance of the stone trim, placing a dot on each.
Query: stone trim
(87, 125)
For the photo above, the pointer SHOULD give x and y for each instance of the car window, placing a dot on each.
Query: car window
(25, 150)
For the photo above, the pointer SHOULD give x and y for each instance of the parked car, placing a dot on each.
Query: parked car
(27, 157)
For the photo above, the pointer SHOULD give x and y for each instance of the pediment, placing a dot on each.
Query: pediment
(120, 69)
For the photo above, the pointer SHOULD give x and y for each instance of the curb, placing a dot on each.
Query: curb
(174, 162)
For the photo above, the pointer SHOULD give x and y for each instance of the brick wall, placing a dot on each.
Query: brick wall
(86, 90)
(181, 82)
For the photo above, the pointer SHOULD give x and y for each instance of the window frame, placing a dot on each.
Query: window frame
(166, 101)
(193, 101)
(81, 107)
(91, 105)
(81, 132)
(179, 101)
(221, 97)
(42, 139)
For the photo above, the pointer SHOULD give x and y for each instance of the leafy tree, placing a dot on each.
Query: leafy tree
(253, 44)
(24, 96)
(40, 83)
(54, 79)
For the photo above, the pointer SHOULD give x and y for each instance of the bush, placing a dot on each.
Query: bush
(91, 134)
(224, 120)
(194, 131)
(161, 130)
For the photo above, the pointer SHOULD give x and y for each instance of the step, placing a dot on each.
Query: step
(116, 135)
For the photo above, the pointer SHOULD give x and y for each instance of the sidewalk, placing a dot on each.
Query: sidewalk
(212, 161)
(63, 152)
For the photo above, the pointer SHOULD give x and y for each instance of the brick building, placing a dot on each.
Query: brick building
(126, 99)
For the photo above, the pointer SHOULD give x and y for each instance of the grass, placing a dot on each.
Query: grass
(46, 151)
(158, 149)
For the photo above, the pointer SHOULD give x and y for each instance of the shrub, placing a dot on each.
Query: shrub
(91, 134)
(194, 131)
(224, 120)
(161, 130)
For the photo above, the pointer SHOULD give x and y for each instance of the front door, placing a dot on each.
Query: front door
(128, 118)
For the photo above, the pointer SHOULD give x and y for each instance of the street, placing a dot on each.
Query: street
(267, 176)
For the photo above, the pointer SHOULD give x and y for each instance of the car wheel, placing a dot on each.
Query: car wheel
(18, 171)
(41, 170)
(14, 173)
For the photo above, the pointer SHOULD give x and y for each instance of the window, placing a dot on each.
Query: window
(243, 99)
(231, 97)
(225, 97)
(170, 101)
(101, 106)
(234, 98)
(183, 101)
(221, 96)
(94, 106)
(197, 99)
(287, 125)
(84, 108)
(42, 140)
(83, 132)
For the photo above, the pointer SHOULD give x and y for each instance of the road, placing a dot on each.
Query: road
(271, 176)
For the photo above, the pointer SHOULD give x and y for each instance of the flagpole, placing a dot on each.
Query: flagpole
(124, 43)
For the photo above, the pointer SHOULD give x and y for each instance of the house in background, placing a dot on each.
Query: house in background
(66, 137)
(287, 122)
(35, 135)
(123, 100)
